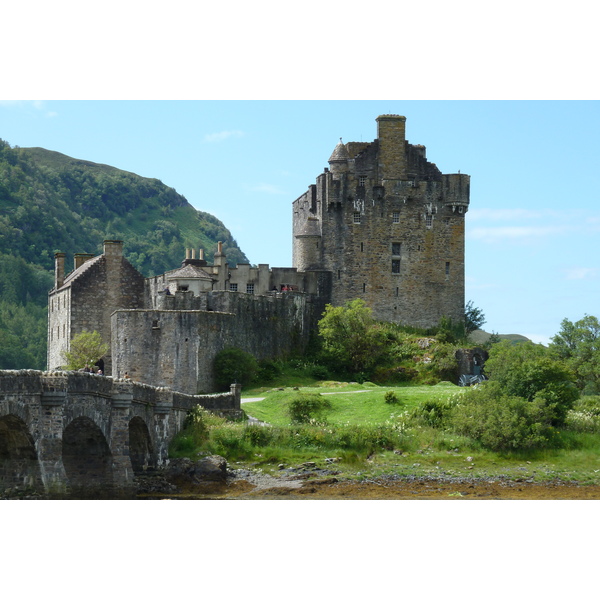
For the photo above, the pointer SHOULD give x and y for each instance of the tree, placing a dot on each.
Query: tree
(578, 345)
(474, 318)
(351, 337)
(233, 365)
(87, 348)
(529, 371)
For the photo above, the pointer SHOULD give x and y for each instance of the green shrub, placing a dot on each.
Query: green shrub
(390, 397)
(398, 374)
(320, 372)
(434, 413)
(268, 370)
(233, 365)
(529, 371)
(584, 417)
(258, 435)
(307, 406)
(502, 423)
(198, 423)
(228, 440)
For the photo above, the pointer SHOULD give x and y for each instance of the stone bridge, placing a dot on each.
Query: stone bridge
(61, 431)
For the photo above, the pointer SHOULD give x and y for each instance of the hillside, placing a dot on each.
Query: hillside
(50, 202)
(481, 337)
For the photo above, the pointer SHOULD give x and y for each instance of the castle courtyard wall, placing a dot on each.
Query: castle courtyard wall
(176, 348)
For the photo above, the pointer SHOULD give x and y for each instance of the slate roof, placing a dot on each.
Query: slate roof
(189, 272)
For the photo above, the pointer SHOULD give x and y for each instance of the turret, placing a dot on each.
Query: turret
(456, 190)
(338, 161)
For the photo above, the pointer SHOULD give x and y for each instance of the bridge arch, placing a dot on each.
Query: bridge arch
(19, 466)
(141, 451)
(86, 454)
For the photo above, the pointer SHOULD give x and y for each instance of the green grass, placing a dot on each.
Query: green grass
(370, 438)
(355, 404)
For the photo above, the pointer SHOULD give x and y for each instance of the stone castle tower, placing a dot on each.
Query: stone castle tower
(388, 227)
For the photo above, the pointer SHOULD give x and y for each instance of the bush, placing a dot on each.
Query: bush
(584, 417)
(528, 371)
(233, 365)
(399, 374)
(268, 370)
(391, 398)
(434, 413)
(320, 372)
(306, 407)
(502, 423)
(258, 435)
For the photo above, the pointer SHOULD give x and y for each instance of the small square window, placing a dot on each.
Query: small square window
(362, 180)
(249, 288)
(396, 217)
(233, 287)
(396, 248)
(429, 221)
(395, 266)
(356, 217)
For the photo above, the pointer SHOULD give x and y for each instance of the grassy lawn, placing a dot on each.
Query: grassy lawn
(354, 403)
(427, 451)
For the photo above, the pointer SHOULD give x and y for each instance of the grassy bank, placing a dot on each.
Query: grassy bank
(360, 435)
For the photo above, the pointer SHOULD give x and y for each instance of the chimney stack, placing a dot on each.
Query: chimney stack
(113, 248)
(59, 269)
(80, 258)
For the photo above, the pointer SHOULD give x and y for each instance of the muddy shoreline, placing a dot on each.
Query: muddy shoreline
(251, 486)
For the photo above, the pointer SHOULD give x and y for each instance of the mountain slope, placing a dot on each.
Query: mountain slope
(51, 203)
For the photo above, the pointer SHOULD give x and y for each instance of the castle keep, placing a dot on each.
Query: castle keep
(381, 223)
(388, 227)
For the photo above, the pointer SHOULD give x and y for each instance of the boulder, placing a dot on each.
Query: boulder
(187, 471)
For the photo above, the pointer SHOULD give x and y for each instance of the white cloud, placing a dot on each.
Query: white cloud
(581, 273)
(498, 234)
(223, 135)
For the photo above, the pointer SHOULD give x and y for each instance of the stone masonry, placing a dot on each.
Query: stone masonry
(388, 226)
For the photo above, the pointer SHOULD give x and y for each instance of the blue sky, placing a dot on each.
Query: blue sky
(531, 231)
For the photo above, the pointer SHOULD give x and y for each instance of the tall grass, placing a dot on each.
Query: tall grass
(207, 433)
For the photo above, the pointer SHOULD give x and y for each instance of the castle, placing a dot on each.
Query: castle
(381, 223)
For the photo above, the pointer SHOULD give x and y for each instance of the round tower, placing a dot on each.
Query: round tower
(338, 161)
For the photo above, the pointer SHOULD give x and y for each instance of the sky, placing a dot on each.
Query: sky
(531, 229)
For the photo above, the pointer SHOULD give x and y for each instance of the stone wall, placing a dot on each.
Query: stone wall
(176, 348)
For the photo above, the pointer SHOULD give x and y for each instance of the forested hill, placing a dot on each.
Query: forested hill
(51, 203)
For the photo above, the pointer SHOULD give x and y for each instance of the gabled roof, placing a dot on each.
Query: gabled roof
(73, 275)
(189, 272)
